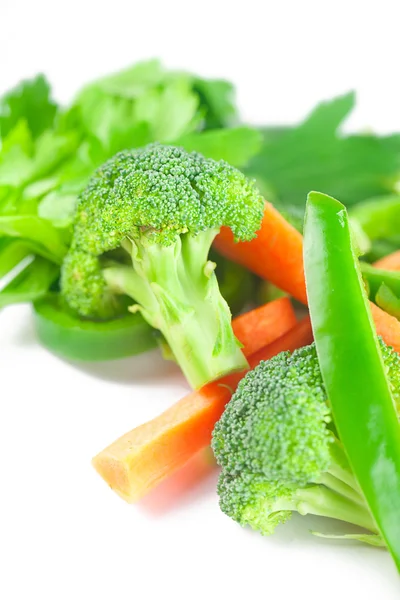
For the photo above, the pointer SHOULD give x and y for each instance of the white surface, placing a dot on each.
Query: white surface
(63, 534)
(66, 535)
(284, 55)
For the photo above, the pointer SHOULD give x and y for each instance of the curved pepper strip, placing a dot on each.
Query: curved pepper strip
(76, 339)
(351, 362)
(376, 277)
(388, 301)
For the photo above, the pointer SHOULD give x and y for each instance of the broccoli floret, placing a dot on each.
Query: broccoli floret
(163, 206)
(251, 499)
(278, 448)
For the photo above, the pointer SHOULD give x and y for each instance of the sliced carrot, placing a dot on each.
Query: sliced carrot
(387, 327)
(300, 335)
(263, 325)
(391, 262)
(142, 458)
(276, 254)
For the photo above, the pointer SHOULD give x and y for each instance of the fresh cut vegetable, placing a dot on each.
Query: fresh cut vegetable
(291, 438)
(142, 458)
(73, 338)
(276, 254)
(143, 228)
(351, 362)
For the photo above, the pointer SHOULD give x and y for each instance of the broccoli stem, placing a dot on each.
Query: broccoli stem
(340, 468)
(177, 292)
(337, 485)
(324, 502)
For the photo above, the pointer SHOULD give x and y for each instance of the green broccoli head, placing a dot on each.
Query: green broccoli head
(276, 444)
(252, 500)
(276, 423)
(163, 207)
(391, 361)
(160, 192)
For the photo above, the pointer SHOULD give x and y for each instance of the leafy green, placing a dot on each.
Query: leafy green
(133, 81)
(217, 100)
(29, 101)
(37, 230)
(388, 300)
(12, 252)
(378, 217)
(58, 206)
(48, 154)
(24, 160)
(31, 283)
(139, 105)
(315, 155)
(237, 146)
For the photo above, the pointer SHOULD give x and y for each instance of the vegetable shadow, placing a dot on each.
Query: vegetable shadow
(192, 482)
(149, 367)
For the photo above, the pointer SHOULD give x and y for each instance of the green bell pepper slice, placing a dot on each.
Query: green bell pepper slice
(388, 301)
(70, 337)
(383, 288)
(375, 277)
(351, 362)
(378, 217)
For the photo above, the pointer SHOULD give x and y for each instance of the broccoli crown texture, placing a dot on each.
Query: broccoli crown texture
(161, 207)
(391, 360)
(276, 444)
(275, 424)
(163, 191)
(252, 500)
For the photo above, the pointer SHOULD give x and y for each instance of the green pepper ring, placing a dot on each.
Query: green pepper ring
(73, 338)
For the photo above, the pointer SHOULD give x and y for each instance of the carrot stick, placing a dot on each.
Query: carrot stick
(142, 458)
(263, 325)
(387, 327)
(391, 262)
(276, 254)
(300, 335)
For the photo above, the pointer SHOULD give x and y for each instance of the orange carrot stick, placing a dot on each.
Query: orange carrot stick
(142, 458)
(276, 254)
(263, 325)
(387, 327)
(391, 262)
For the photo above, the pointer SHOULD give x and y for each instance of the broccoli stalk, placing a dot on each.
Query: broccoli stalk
(161, 208)
(279, 452)
(262, 504)
(177, 292)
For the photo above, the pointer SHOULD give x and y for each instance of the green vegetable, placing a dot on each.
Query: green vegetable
(31, 283)
(351, 363)
(66, 334)
(217, 101)
(47, 240)
(381, 248)
(379, 217)
(375, 278)
(279, 450)
(48, 153)
(237, 285)
(73, 338)
(162, 207)
(29, 101)
(12, 253)
(236, 145)
(316, 155)
(388, 301)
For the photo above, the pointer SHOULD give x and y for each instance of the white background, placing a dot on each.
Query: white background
(63, 534)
